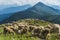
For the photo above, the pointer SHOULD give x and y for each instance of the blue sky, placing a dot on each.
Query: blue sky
(32, 2)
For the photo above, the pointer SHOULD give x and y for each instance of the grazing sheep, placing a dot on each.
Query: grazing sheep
(31, 28)
(55, 28)
(49, 26)
(15, 26)
(8, 30)
(20, 27)
(36, 32)
(44, 33)
(48, 36)
(22, 31)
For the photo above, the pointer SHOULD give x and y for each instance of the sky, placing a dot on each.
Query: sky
(32, 2)
(9, 3)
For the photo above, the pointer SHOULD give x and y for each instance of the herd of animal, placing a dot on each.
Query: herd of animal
(24, 28)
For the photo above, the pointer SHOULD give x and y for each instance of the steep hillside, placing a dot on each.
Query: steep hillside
(39, 11)
(7, 12)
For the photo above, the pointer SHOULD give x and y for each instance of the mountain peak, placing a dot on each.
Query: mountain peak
(40, 3)
(38, 11)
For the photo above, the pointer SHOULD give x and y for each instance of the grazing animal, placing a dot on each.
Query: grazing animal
(36, 32)
(55, 28)
(8, 30)
(22, 31)
(31, 28)
(44, 33)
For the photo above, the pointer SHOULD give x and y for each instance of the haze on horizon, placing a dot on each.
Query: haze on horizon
(32, 2)
(8, 3)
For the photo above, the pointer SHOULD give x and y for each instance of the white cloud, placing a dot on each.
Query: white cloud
(53, 2)
(32, 2)
(11, 2)
(18, 2)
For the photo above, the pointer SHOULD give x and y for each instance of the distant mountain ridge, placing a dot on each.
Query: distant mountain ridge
(2, 7)
(7, 12)
(4, 16)
(39, 11)
(14, 9)
(56, 7)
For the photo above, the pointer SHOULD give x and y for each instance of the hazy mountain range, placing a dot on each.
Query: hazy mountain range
(56, 7)
(14, 9)
(7, 12)
(38, 11)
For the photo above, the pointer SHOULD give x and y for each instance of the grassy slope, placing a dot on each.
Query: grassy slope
(24, 37)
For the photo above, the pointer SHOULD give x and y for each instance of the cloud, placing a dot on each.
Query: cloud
(17, 2)
(11, 2)
(53, 2)
(32, 2)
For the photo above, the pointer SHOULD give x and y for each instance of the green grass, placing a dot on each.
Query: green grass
(54, 37)
(17, 37)
(37, 22)
(26, 36)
